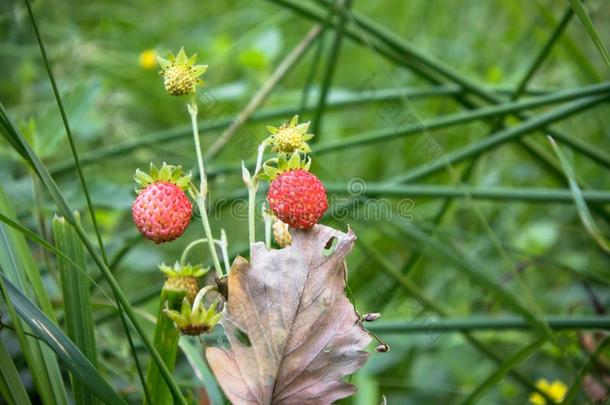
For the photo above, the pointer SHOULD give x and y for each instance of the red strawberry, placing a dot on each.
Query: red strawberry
(162, 211)
(297, 198)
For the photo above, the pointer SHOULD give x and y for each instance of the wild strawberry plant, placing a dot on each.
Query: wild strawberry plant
(293, 334)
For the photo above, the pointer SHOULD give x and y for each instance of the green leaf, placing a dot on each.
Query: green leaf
(18, 265)
(80, 367)
(166, 342)
(194, 354)
(77, 301)
(11, 387)
(15, 137)
(581, 205)
(582, 14)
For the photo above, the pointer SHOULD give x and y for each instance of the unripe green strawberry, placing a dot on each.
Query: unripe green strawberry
(187, 284)
(183, 278)
(162, 211)
(180, 74)
(290, 137)
(297, 198)
(281, 233)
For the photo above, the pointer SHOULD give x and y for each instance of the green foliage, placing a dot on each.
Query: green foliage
(475, 236)
(77, 301)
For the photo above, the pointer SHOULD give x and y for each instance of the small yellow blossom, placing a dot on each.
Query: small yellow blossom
(556, 391)
(148, 59)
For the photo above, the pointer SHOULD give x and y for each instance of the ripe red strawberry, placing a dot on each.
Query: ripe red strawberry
(162, 211)
(297, 198)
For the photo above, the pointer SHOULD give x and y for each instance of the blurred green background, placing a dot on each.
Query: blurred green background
(122, 119)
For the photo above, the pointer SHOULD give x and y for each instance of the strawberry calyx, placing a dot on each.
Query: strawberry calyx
(183, 270)
(283, 163)
(183, 278)
(167, 174)
(196, 319)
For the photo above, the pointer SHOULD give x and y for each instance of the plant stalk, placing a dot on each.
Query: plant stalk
(203, 190)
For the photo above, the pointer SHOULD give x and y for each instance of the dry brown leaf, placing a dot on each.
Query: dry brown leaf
(294, 334)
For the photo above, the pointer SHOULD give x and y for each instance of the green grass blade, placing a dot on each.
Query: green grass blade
(404, 54)
(11, 387)
(166, 342)
(431, 305)
(584, 18)
(581, 205)
(492, 323)
(343, 8)
(497, 375)
(76, 300)
(9, 130)
(80, 367)
(544, 53)
(50, 248)
(573, 390)
(499, 138)
(209, 126)
(374, 137)
(64, 119)
(570, 46)
(472, 271)
(288, 63)
(194, 354)
(17, 263)
(504, 194)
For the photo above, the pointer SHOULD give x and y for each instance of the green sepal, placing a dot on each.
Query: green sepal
(163, 63)
(284, 163)
(167, 173)
(196, 319)
(186, 270)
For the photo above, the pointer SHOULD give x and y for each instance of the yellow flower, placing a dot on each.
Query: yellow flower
(148, 59)
(555, 390)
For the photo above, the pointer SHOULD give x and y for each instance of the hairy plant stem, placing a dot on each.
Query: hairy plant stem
(268, 224)
(252, 184)
(251, 213)
(224, 248)
(194, 243)
(203, 190)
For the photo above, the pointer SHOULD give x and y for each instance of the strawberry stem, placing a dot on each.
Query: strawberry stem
(252, 184)
(203, 190)
(196, 242)
(268, 223)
